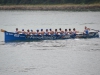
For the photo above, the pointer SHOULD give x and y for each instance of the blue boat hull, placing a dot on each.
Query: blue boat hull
(10, 36)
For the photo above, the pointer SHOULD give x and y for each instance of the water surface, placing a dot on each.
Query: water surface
(50, 57)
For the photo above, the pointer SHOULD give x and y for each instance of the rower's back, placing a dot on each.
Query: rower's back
(51, 32)
(28, 32)
(70, 32)
(46, 33)
(16, 30)
(56, 32)
(42, 32)
(61, 31)
(66, 32)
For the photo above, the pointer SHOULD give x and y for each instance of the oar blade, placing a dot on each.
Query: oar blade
(2, 30)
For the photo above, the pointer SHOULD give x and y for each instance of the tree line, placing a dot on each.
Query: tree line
(17, 2)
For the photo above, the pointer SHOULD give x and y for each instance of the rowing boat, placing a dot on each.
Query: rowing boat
(11, 36)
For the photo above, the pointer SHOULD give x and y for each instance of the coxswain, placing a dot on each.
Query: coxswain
(86, 31)
(51, 32)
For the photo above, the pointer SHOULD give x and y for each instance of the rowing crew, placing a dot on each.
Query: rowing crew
(51, 32)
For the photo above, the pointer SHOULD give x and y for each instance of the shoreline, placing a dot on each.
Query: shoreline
(69, 7)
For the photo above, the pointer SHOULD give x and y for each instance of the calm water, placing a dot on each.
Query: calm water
(50, 57)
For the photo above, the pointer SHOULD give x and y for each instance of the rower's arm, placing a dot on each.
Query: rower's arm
(77, 31)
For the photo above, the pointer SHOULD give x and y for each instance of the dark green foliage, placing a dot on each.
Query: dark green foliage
(48, 1)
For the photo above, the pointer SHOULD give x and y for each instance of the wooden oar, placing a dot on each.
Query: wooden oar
(2, 30)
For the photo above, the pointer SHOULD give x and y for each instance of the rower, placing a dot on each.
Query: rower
(86, 31)
(42, 32)
(51, 32)
(61, 31)
(70, 32)
(17, 30)
(74, 32)
(28, 32)
(66, 33)
(23, 32)
(32, 32)
(46, 33)
(55, 33)
(37, 33)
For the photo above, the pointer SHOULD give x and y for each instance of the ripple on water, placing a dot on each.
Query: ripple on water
(27, 69)
(2, 43)
(69, 44)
